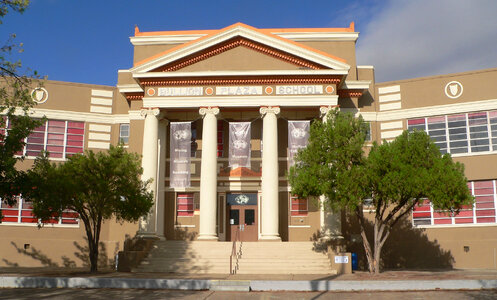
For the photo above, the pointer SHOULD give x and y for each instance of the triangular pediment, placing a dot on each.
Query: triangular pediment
(211, 52)
(239, 57)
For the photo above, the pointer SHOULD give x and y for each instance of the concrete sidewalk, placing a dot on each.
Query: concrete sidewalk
(358, 281)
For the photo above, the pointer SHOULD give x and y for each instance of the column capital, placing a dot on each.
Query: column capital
(325, 109)
(269, 109)
(144, 112)
(208, 110)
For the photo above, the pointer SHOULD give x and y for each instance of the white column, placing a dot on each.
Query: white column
(331, 222)
(161, 175)
(208, 175)
(147, 226)
(269, 205)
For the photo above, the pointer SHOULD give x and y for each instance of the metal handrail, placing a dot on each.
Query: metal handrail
(234, 254)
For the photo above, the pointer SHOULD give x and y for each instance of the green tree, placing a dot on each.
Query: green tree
(401, 175)
(15, 102)
(98, 186)
(332, 163)
(395, 177)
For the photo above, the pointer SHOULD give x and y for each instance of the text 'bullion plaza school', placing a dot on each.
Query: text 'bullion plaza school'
(218, 115)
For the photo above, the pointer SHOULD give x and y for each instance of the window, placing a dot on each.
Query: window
(298, 206)
(60, 138)
(22, 213)
(462, 133)
(437, 131)
(368, 132)
(184, 205)
(124, 133)
(482, 212)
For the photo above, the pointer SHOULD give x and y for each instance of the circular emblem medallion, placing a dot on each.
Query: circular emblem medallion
(242, 199)
(151, 92)
(209, 91)
(268, 90)
(39, 95)
(298, 133)
(182, 135)
(453, 89)
(239, 144)
(329, 89)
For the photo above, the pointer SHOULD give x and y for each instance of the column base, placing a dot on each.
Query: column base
(207, 237)
(331, 238)
(270, 238)
(149, 235)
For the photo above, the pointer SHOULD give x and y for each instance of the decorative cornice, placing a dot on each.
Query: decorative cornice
(350, 93)
(356, 84)
(304, 73)
(201, 45)
(233, 43)
(294, 36)
(134, 96)
(129, 88)
(241, 101)
(264, 80)
(269, 109)
(203, 111)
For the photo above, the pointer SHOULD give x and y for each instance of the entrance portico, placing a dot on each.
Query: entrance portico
(187, 85)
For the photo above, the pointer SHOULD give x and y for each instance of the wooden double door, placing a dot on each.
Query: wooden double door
(242, 217)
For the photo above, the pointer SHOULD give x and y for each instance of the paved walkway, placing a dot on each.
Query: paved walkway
(358, 281)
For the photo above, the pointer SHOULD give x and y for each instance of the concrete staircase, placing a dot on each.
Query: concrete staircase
(201, 257)
(282, 258)
(184, 257)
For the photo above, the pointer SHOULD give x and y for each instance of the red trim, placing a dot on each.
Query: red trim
(233, 43)
(350, 93)
(259, 80)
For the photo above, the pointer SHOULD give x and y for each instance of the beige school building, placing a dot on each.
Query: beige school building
(216, 115)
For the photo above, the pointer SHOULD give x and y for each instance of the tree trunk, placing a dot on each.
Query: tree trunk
(377, 255)
(93, 239)
(365, 241)
(367, 249)
(93, 256)
(381, 232)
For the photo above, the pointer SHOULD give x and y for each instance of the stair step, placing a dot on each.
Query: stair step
(199, 257)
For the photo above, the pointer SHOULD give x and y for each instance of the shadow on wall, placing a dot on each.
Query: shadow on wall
(184, 234)
(82, 253)
(171, 256)
(406, 247)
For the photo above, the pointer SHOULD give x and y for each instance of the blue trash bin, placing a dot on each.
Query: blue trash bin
(354, 261)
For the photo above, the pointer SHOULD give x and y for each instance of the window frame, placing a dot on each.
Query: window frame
(299, 212)
(70, 144)
(428, 217)
(471, 143)
(121, 136)
(190, 197)
(26, 213)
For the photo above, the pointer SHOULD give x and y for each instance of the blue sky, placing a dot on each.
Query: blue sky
(88, 41)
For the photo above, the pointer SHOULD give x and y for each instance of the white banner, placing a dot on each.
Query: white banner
(239, 144)
(298, 136)
(181, 141)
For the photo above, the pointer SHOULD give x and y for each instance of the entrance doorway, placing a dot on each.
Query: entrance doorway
(242, 216)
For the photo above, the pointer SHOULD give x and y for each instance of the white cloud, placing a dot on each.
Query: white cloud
(409, 39)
